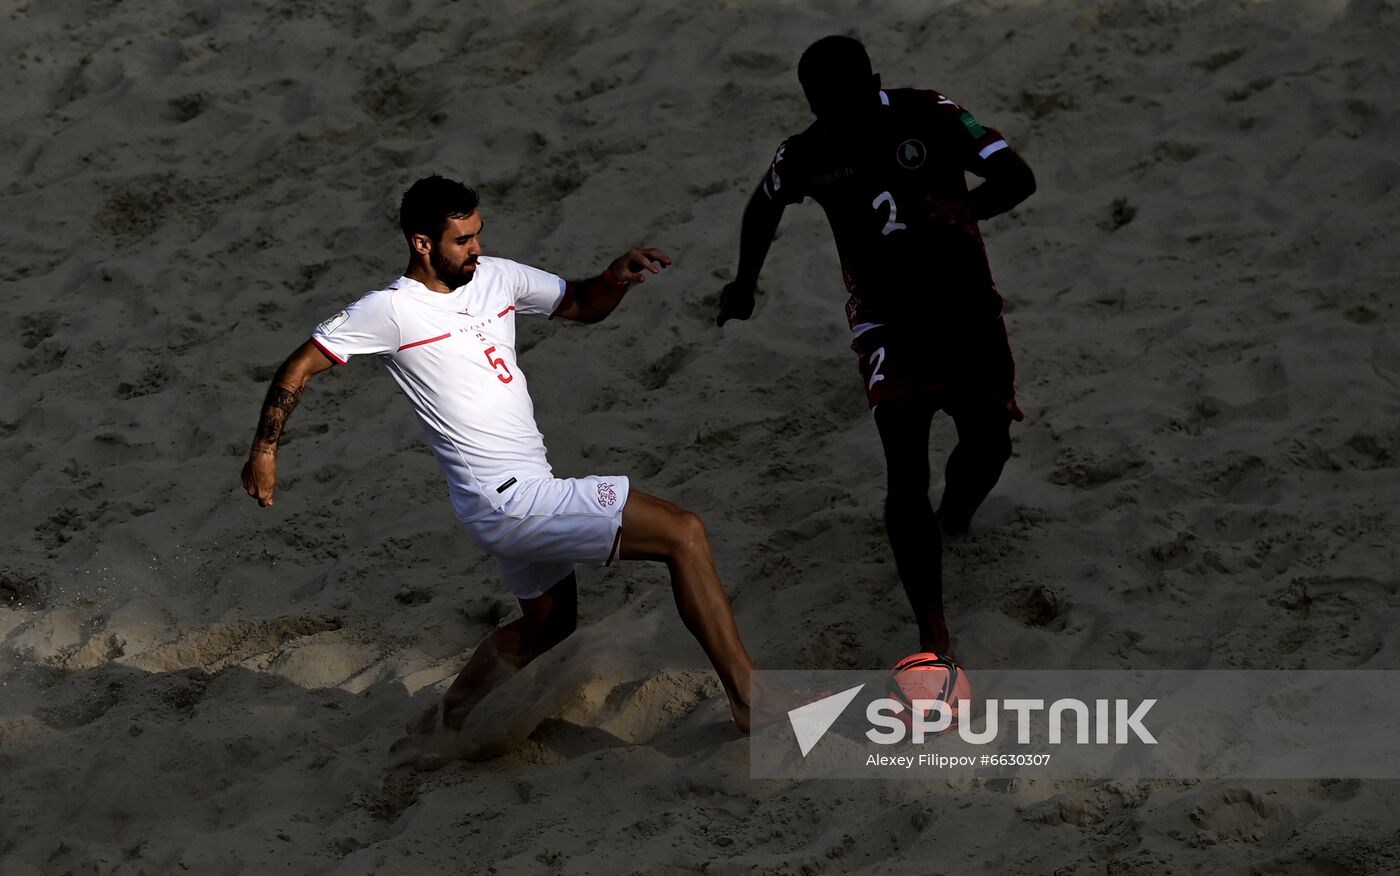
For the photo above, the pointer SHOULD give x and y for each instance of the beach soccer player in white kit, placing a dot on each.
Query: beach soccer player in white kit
(445, 331)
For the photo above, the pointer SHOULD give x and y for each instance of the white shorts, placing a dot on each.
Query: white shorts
(548, 524)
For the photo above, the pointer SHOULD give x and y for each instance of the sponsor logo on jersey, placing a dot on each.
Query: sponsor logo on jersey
(911, 154)
(333, 323)
(833, 176)
(607, 497)
(972, 124)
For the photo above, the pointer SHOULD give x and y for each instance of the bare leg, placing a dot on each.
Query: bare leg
(909, 519)
(548, 620)
(974, 466)
(983, 418)
(654, 529)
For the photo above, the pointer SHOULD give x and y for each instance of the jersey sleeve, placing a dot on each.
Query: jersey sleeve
(976, 142)
(783, 182)
(366, 327)
(536, 292)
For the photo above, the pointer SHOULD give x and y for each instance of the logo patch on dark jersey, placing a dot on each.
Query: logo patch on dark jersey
(972, 125)
(911, 154)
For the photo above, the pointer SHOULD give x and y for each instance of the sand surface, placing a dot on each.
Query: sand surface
(1201, 297)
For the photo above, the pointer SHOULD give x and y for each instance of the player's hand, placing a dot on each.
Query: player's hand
(260, 477)
(735, 302)
(636, 264)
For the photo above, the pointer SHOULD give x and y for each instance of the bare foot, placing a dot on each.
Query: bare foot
(425, 723)
(419, 751)
(939, 641)
(740, 711)
(454, 718)
(947, 528)
(771, 704)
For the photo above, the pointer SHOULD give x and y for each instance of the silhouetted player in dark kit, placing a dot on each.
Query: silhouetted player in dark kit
(926, 318)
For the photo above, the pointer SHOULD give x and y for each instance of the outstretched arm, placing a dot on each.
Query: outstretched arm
(260, 472)
(592, 300)
(760, 223)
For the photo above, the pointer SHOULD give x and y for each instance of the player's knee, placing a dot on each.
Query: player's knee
(997, 450)
(549, 631)
(688, 532)
(907, 471)
(907, 486)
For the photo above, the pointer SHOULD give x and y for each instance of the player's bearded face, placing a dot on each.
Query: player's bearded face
(454, 271)
(454, 256)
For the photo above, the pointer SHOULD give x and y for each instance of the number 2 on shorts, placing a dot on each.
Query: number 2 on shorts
(500, 363)
(877, 359)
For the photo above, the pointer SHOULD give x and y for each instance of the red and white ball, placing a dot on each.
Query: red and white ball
(927, 676)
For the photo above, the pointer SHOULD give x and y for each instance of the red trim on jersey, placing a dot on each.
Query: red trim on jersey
(504, 312)
(617, 543)
(424, 341)
(324, 349)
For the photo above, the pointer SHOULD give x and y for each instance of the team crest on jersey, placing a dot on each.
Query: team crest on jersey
(333, 323)
(911, 154)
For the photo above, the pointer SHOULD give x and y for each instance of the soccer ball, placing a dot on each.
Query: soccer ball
(927, 676)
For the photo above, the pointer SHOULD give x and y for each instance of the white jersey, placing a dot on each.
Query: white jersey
(453, 355)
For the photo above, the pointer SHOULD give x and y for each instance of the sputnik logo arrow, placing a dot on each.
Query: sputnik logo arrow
(810, 722)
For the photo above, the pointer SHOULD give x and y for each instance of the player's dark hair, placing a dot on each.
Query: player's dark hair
(833, 60)
(430, 202)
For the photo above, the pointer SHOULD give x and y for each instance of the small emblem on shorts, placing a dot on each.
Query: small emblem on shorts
(502, 487)
(911, 154)
(606, 497)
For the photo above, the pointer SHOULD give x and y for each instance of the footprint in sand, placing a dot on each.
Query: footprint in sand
(1240, 815)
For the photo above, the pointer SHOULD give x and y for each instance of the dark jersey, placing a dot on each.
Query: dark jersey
(879, 187)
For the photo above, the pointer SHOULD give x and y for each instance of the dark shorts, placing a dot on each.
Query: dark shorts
(970, 367)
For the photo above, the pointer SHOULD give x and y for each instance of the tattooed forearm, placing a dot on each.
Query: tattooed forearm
(277, 407)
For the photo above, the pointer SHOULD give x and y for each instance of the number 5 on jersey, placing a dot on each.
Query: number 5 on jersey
(499, 364)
